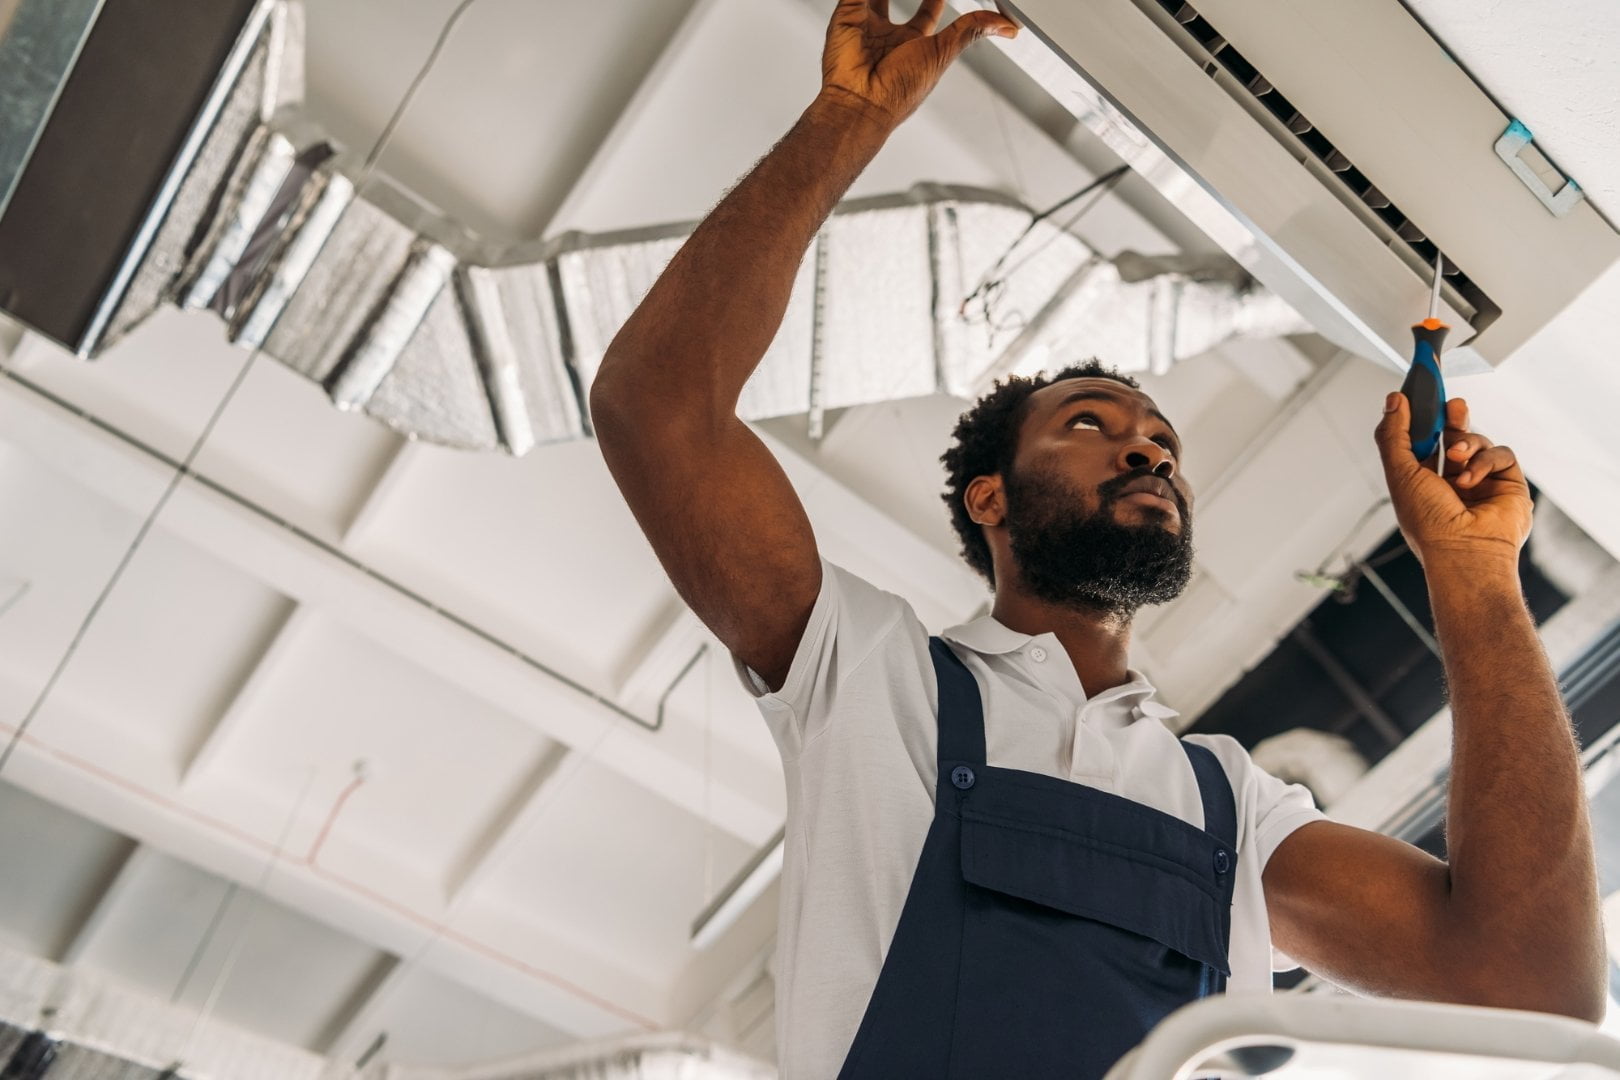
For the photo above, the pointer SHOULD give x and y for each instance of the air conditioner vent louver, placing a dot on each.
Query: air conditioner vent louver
(1257, 93)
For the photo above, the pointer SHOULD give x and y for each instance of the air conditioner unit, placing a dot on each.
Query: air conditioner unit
(1334, 149)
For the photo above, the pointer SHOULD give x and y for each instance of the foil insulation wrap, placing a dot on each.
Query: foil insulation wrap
(271, 72)
(400, 313)
(875, 332)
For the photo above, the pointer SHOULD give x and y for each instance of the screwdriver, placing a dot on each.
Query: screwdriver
(1424, 388)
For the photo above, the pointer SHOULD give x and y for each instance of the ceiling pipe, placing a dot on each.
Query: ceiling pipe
(406, 316)
(665, 1056)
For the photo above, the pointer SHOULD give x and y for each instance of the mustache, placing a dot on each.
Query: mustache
(1114, 490)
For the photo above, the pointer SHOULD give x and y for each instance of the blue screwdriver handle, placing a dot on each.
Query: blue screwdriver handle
(1425, 389)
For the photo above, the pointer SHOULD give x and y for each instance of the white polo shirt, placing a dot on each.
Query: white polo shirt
(855, 724)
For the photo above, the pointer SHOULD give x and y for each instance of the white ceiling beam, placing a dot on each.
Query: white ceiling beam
(232, 717)
(510, 826)
(353, 1032)
(332, 584)
(852, 532)
(393, 477)
(128, 867)
(544, 972)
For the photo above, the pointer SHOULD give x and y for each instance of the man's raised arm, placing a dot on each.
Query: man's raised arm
(716, 506)
(1513, 920)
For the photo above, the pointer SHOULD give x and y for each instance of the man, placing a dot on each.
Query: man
(1000, 863)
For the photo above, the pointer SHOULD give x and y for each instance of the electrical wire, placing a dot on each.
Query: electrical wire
(128, 556)
(988, 292)
(141, 534)
(708, 783)
(239, 939)
(179, 475)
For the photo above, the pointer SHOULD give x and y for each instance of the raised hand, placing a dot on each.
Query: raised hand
(1481, 510)
(888, 68)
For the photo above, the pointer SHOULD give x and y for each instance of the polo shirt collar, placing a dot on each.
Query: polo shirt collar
(987, 636)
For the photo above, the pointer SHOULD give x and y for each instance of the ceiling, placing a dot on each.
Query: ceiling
(392, 705)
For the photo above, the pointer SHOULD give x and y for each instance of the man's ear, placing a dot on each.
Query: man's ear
(986, 501)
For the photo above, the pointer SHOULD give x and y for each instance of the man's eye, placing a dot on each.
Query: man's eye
(1086, 416)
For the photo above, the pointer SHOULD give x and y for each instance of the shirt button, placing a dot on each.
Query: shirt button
(1037, 654)
(1223, 862)
(962, 777)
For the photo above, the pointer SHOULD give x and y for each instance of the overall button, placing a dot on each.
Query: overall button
(1037, 654)
(962, 777)
(1223, 862)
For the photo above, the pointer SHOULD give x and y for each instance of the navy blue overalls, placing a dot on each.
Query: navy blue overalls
(1049, 925)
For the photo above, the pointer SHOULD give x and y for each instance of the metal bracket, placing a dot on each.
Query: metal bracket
(1510, 146)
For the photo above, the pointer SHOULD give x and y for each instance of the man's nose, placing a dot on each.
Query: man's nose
(1160, 464)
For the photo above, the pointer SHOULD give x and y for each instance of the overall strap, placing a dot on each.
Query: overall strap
(961, 712)
(1220, 808)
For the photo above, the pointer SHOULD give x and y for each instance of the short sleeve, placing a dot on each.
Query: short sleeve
(1271, 810)
(851, 617)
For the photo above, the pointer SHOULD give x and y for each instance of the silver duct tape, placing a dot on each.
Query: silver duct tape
(394, 324)
(490, 332)
(349, 280)
(159, 252)
(1163, 323)
(284, 84)
(521, 299)
(432, 390)
(253, 186)
(603, 282)
(877, 331)
(311, 226)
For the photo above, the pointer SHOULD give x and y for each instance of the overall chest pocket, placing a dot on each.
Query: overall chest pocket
(1143, 892)
(1089, 918)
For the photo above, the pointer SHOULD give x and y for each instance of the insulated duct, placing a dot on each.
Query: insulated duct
(39, 1055)
(61, 1023)
(668, 1056)
(403, 315)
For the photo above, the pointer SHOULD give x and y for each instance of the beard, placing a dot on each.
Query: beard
(1091, 561)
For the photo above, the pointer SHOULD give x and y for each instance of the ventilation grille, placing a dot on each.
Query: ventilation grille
(1305, 141)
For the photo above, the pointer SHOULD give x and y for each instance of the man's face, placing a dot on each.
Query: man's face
(1079, 539)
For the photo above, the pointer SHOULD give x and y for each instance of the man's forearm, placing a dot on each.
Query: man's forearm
(1523, 876)
(709, 319)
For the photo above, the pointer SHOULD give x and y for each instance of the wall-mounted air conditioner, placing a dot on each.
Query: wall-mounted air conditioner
(1334, 149)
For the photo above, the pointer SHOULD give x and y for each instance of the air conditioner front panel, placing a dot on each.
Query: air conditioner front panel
(1284, 214)
(1387, 94)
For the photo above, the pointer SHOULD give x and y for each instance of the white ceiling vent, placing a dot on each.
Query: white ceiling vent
(1333, 150)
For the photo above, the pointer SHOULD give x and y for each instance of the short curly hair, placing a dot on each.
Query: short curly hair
(986, 440)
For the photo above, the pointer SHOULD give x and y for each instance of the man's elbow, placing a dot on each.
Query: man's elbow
(1577, 990)
(1587, 1000)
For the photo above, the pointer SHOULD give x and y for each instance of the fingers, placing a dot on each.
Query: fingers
(880, 8)
(1463, 447)
(1395, 444)
(970, 28)
(927, 17)
(854, 12)
(1496, 461)
(1457, 415)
